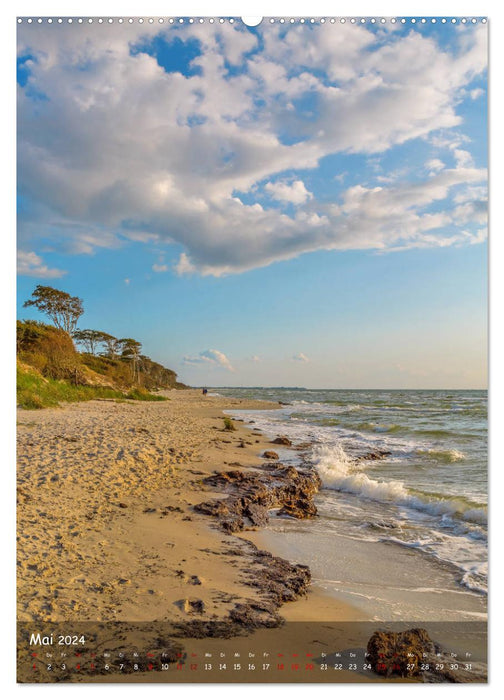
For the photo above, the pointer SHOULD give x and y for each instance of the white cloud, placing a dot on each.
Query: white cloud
(255, 358)
(294, 192)
(471, 211)
(121, 148)
(236, 44)
(477, 92)
(301, 357)
(159, 267)
(214, 358)
(32, 265)
(434, 165)
(127, 281)
(463, 158)
(184, 266)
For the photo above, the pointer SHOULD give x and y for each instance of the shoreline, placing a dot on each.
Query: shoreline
(107, 524)
(111, 530)
(386, 575)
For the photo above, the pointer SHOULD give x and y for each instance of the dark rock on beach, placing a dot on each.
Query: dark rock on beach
(249, 495)
(252, 494)
(253, 615)
(191, 606)
(257, 514)
(270, 454)
(399, 653)
(277, 578)
(282, 440)
(300, 508)
(373, 456)
(413, 654)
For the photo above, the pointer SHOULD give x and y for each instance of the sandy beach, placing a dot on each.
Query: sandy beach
(105, 519)
(106, 526)
(114, 528)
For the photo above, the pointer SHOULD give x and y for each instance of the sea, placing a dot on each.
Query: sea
(405, 535)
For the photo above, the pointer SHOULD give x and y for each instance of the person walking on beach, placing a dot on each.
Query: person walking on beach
(204, 392)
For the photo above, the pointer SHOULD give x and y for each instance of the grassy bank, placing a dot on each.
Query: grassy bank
(52, 371)
(35, 391)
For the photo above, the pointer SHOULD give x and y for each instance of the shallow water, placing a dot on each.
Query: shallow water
(427, 498)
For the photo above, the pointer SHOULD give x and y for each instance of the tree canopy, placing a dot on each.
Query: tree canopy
(130, 349)
(90, 339)
(63, 309)
(49, 348)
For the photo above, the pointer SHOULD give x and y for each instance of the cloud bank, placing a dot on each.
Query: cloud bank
(215, 155)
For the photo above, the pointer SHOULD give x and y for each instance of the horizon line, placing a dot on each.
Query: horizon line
(302, 388)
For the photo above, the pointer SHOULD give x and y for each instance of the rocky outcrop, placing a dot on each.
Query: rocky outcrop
(373, 456)
(276, 580)
(252, 494)
(270, 454)
(249, 497)
(299, 508)
(252, 615)
(398, 653)
(282, 440)
(413, 654)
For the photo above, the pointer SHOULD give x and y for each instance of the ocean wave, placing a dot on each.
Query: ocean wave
(474, 583)
(380, 428)
(442, 455)
(340, 473)
(472, 576)
(328, 422)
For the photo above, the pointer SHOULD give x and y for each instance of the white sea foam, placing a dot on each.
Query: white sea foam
(338, 472)
(473, 574)
(430, 486)
(474, 584)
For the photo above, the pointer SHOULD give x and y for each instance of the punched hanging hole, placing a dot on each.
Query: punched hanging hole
(251, 21)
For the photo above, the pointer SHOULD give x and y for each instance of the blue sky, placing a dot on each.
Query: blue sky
(289, 205)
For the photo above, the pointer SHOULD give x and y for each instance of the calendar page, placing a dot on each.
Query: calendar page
(252, 350)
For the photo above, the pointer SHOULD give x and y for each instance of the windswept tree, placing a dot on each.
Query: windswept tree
(63, 309)
(88, 338)
(112, 345)
(130, 351)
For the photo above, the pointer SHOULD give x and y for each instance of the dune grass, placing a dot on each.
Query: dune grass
(139, 394)
(228, 423)
(35, 391)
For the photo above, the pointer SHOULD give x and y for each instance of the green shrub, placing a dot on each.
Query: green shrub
(228, 423)
(48, 349)
(138, 394)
